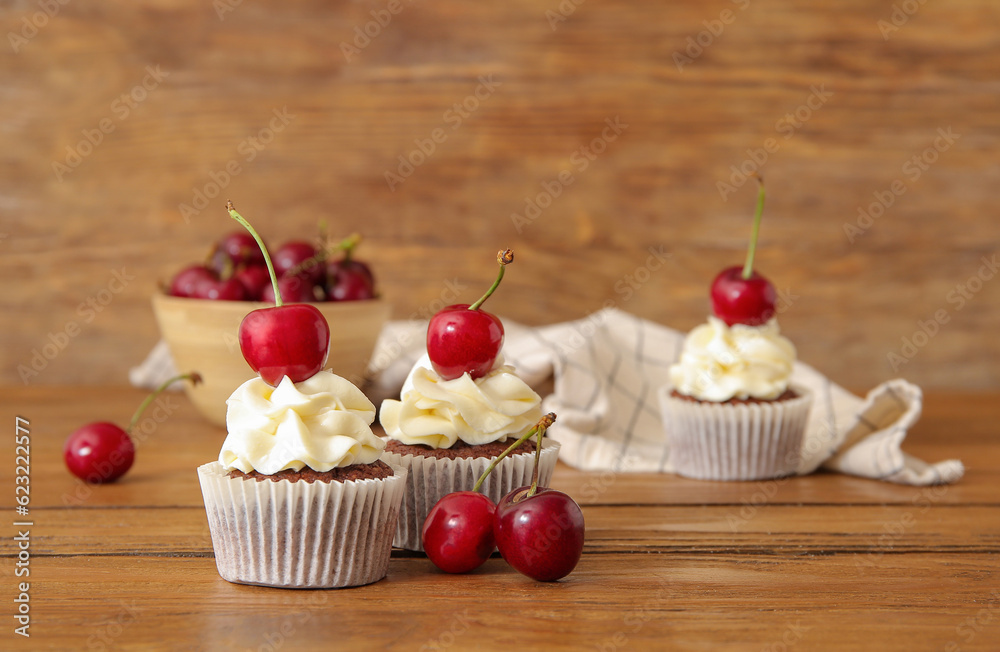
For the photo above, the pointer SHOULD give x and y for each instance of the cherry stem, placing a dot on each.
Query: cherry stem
(194, 377)
(538, 459)
(539, 430)
(505, 257)
(260, 243)
(348, 244)
(748, 266)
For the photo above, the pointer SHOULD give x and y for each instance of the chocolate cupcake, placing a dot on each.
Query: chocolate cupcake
(730, 412)
(446, 432)
(299, 497)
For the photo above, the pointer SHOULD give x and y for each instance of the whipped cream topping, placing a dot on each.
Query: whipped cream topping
(323, 422)
(720, 362)
(437, 412)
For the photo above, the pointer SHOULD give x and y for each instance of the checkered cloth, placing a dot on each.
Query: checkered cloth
(606, 370)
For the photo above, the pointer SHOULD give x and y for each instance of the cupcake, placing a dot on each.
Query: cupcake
(298, 497)
(446, 432)
(729, 409)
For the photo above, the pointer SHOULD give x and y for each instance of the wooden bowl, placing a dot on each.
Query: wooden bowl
(203, 337)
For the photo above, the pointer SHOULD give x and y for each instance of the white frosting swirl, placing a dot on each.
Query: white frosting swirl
(322, 422)
(437, 412)
(721, 362)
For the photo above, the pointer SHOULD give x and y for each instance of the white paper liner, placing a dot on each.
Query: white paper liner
(429, 479)
(299, 534)
(726, 441)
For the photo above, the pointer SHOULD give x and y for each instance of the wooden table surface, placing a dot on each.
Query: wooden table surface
(821, 562)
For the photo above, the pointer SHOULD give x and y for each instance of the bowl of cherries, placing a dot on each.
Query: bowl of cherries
(201, 308)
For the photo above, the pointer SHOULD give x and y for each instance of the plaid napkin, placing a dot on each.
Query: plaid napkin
(606, 370)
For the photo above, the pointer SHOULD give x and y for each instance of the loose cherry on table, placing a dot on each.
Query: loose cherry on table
(464, 338)
(286, 340)
(458, 531)
(539, 531)
(739, 294)
(102, 452)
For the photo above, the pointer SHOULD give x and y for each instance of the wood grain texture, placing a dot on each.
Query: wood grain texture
(814, 563)
(220, 81)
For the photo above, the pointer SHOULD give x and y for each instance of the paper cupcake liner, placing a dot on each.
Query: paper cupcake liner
(428, 479)
(301, 535)
(726, 441)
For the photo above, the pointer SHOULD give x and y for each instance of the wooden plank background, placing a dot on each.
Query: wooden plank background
(868, 96)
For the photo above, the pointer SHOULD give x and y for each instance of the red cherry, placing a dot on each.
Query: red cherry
(184, 281)
(299, 258)
(102, 452)
(254, 279)
(458, 531)
(540, 535)
(460, 340)
(736, 300)
(241, 248)
(218, 290)
(294, 289)
(289, 340)
(99, 452)
(739, 294)
(464, 339)
(349, 280)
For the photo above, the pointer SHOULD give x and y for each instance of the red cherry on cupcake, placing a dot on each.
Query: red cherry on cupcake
(102, 452)
(465, 339)
(287, 340)
(739, 294)
(458, 531)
